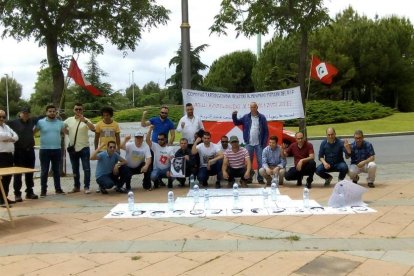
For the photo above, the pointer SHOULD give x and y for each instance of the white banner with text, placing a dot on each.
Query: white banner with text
(278, 105)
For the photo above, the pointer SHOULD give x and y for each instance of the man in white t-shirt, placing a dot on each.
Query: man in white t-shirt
(162, 158)
(189, 125)
(209, 155)
(138, 156)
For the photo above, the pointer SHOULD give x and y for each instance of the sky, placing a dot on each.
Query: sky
(149, 62)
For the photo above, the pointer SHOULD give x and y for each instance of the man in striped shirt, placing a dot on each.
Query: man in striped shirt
(236, 163)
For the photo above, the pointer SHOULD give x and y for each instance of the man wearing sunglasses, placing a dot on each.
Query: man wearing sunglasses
(7, 139)
(77, 128)
(108, 167)
(162, 124)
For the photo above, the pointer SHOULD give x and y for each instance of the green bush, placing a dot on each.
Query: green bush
(318, 112)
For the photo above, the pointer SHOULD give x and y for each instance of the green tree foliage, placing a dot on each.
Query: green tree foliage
(43, 91)
(232, 73)
(133, 93)
(281, 16)
(14, 90)
(175, 81)
(78, 24)
(151, 94)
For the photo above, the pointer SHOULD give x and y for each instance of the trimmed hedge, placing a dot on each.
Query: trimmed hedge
(318, 112)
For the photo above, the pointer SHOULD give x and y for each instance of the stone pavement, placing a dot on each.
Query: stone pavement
(67, 235)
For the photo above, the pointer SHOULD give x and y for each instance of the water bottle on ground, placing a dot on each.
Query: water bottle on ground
(306, 197)
(273, 191)
(235, 195)
(170, 201)
(206, 199)
(341, 196)
(265, 197)
(131, 201)
(191, 181)
(196, 191)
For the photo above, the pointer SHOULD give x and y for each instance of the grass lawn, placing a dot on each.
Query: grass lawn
(398, 122)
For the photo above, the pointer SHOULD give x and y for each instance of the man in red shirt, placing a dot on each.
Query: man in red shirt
(303, 155)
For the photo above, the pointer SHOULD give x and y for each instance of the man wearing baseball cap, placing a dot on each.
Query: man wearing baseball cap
(138, 156)
(236, 163)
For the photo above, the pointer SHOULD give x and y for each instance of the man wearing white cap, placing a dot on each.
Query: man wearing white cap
(138, 156)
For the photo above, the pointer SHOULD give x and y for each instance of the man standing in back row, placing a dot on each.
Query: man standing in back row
(189, 125)
(255, 134)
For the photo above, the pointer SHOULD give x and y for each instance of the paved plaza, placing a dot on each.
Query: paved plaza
(67, 235)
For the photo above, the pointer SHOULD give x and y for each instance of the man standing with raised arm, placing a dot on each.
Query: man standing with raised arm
(162, 124)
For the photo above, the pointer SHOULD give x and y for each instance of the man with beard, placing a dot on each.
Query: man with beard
(189, 125)
(162, 124)
(162, 158)
(77, 128)
(331, 155)
(24, 153)
(51, 131)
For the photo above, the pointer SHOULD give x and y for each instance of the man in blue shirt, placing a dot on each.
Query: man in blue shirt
(108, 167)
(362, 158)
(255, 134)
(331, 156)
(51, 131)
(162, 124)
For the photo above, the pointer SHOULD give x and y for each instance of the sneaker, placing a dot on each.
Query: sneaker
(60, 192)
(98, 190)
(75, 190)
(371, 185)
(299, 183)
(261, 181)
(243, 184)
(161, 183)
(356, 179)
(18, 198)
(205, 183)
(11, 201)
(328, 181)
(121, 190)
(31, 196)
(43, 194)
(218, 185)
(103, 191)
(87, 191)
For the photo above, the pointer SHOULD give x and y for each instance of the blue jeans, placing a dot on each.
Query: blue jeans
(83, 155)
(340, 167)
(108, 181)
(158, 173)
(203, 173)
(258, 150)
(46, 157)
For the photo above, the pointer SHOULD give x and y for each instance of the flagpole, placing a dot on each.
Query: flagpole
(65, 86)
(307, 92)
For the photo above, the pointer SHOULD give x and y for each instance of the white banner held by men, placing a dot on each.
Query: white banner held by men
(278, 105)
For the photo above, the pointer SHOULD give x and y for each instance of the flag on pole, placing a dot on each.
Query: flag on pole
(322, 71)
(76, 74)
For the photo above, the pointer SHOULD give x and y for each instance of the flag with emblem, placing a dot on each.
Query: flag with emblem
(322, 71)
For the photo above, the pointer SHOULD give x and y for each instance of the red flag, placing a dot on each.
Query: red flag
(322, 71)
(76, 74)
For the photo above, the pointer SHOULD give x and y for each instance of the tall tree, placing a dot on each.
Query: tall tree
(281, 16)
(78, 24)
(175, 81)
(232, 73)
(13, 91)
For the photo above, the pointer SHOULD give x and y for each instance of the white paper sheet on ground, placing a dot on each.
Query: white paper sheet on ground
(229, 192)
(352, 194)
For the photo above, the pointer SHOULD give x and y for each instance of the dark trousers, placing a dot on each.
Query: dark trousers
(307, 169)
(233, 173)
(127, 173)
(6, 160)
(24, 158)
(82, 155)
(47, 157)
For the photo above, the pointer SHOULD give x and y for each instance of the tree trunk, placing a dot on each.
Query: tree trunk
(302, 77)
(56, 69)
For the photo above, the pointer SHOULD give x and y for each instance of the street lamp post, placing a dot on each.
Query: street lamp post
(133, 90)
(7, 96)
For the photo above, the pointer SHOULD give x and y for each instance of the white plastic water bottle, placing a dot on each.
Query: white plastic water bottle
(131, 201)
(341, 196)
(170, 200)
(265, 197)
(306, 197)
(191, 181)
(235, 195)
(206, 199)
(273, 191)
(196, 193)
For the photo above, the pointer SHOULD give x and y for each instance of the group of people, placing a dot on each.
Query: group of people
(156, 158)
